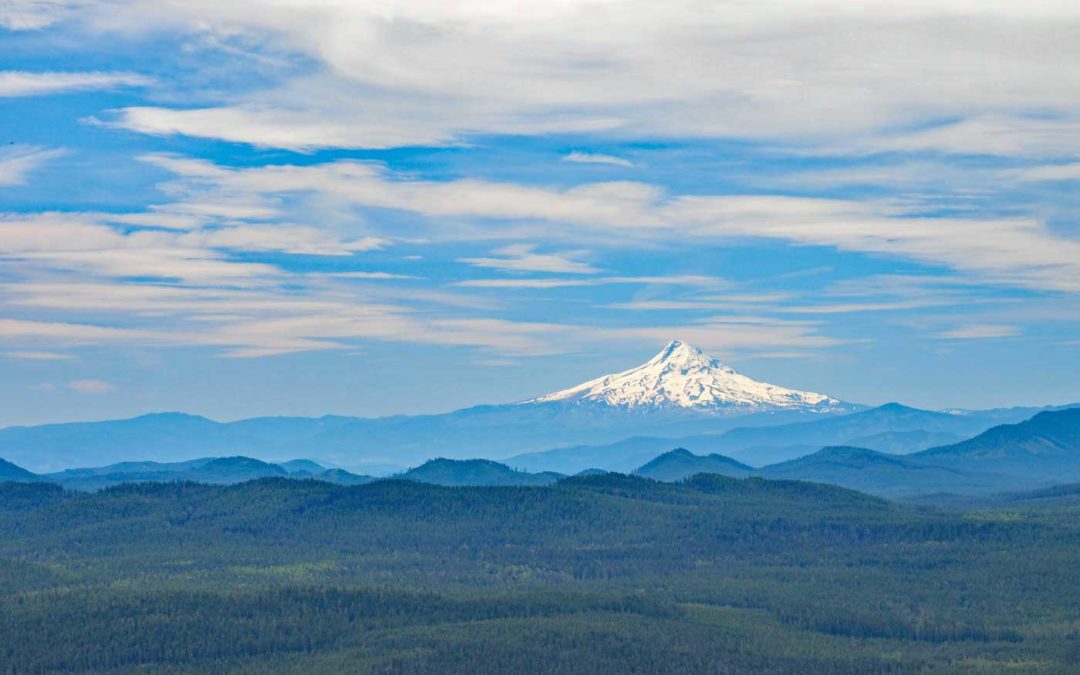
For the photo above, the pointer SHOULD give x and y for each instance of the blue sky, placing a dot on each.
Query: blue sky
(369, 208)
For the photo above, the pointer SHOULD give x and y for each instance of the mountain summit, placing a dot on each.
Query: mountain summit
(681, 376)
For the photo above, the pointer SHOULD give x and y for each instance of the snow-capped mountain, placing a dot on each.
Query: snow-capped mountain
(679, 393)
(683, 377)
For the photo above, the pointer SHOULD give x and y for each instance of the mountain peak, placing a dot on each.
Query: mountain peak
(680, 354)
(682, 376)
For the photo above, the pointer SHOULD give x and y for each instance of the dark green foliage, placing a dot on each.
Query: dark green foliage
(595, 574)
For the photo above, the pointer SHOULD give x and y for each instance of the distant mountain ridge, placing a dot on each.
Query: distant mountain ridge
(679, 398)
(1036, 453)
(883, 474)
(891, 428)
(679, 391)
(1047, 446)
(207, 470)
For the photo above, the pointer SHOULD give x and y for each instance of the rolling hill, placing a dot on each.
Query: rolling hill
(600, 574)
(892, 428)
(680, 463)
(886, 475)
(765, 445)
(1045, 447)
(14, 473)
(474, 472)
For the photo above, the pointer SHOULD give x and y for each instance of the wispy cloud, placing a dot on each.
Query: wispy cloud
(90, 386)
(523, 258)
(436, 73)
(18, 162)
(277, 126)
(1018, 251)
(672, 280)
(979, 332)
(24, 83)
(1067, 171)
(38, 356)
(16, 15)
(370, 275)
(992, 134)
(198, 284)
(596, 158)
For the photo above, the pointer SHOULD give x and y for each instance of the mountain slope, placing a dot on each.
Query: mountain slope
(677, 393)
(479, 472)
(765, 445)
(683, 377)
(342, 477)
(1045, 446)
(13, 473)
(302, 467)
(904, 442)
(681, 463)
(886, 475)
(162, 437)
(623, 456)
(888, 428)
(214, 470)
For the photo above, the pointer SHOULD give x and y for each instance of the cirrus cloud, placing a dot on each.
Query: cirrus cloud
(23, 83)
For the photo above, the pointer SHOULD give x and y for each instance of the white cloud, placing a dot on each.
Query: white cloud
(430, 73)
(521, 258)
(1013, 251)
(1069, 171)
(370, 275)
(23, 83)
(672, 280)
(69, 333)
(17, 162)
(596, 158)
(38, 356)
(272, 126)
(990, 134)
(164, 220)
(526, 283)
(727, 335)
(81, 242)
(18, 15)
(133, 282)
(90, 386)
(284, 238)
(979, 332)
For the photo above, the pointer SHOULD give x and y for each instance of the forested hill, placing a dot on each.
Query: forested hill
(598, 574)
(11, 472)
(475, 472)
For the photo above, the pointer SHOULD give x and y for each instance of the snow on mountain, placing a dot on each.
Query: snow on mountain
(683, 377)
